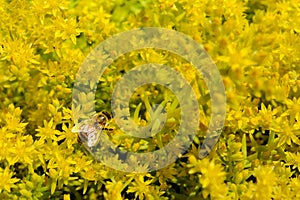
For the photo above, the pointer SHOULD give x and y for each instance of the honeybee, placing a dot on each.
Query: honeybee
(89, 130)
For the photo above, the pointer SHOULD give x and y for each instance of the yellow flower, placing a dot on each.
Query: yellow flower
(166, 174)
(22, 151)
(211, 176)
(266, 116)
(266, 179)
(13, 120)
(288, 132)
(140, 186)
(6, 180)
(293, 110)
(293, 159)
(114, 190)
(48, 131)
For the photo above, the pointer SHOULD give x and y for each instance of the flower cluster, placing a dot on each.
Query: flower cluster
(255, 45)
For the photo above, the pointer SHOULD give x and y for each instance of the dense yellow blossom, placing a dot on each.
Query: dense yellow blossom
(255, 45)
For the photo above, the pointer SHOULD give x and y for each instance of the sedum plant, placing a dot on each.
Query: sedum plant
(255, 45)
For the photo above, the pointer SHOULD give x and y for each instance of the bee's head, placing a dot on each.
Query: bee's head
(103, 118)
(106, 114)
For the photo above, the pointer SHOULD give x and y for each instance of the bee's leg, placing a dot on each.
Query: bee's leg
(108, 129)
(82, 137)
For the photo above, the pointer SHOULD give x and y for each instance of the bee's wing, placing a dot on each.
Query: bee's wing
(99, 133)
(93, 138)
